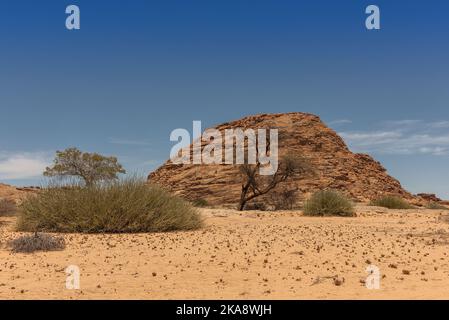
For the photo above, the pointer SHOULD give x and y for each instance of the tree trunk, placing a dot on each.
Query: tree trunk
(243, 199)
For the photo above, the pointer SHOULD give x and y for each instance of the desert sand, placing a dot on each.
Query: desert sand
(245, 255)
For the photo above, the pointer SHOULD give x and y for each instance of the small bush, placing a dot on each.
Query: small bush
(329, 203)
(283, 199)
(391, 202)
(436, 206)
(37, 242)
(7, 208)
(200, 203)
(259, 206)
(129, 205)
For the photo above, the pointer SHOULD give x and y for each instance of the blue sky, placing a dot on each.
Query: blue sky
(139, 69)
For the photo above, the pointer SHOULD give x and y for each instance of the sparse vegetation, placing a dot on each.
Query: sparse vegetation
(255, 185)
(259, 206)
(391, 202)
(7, 208)
(128, 205)
(200, 203)
(436, 206)
(89, 167)
(37, 242)
(329, 203)
(283, 199)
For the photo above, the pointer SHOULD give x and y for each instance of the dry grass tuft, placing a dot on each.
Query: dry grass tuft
(200, 203)
(436, 206)
(391, 202)
(124, 206)
(329, 203)
(36, 242)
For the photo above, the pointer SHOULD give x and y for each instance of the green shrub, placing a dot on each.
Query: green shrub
(37, 242)
(328, 203)
(7, 208)
(200, 203)
(128, 205)
(391, 202)
(436, 206)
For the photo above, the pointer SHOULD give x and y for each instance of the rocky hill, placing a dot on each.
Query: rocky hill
(357, 175)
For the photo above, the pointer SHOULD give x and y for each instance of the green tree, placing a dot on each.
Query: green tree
(90, 167)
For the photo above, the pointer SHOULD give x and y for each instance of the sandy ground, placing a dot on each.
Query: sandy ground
(250, 255)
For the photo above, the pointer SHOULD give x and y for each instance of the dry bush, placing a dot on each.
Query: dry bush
(37, 242)
(256, 205)
(329, 203)
(436, 206)
(283, 199)
(7, 207)
(129, 205)
(391, 202)
(200, 203)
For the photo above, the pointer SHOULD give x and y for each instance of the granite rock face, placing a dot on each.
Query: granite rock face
(357, 175)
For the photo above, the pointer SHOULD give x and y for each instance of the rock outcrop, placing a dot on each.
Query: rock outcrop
(15, 194)
(429, 197)
(357, 175)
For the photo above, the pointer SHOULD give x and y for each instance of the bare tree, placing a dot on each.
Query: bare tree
(255, 185)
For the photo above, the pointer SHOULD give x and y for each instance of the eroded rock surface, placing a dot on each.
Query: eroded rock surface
(357, 175)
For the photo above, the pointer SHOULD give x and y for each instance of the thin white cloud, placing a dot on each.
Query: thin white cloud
(440, 124)
(340, 122)
(22, 165)
(401, 123)
(418, 124)
(371, 138)
(402, 137)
